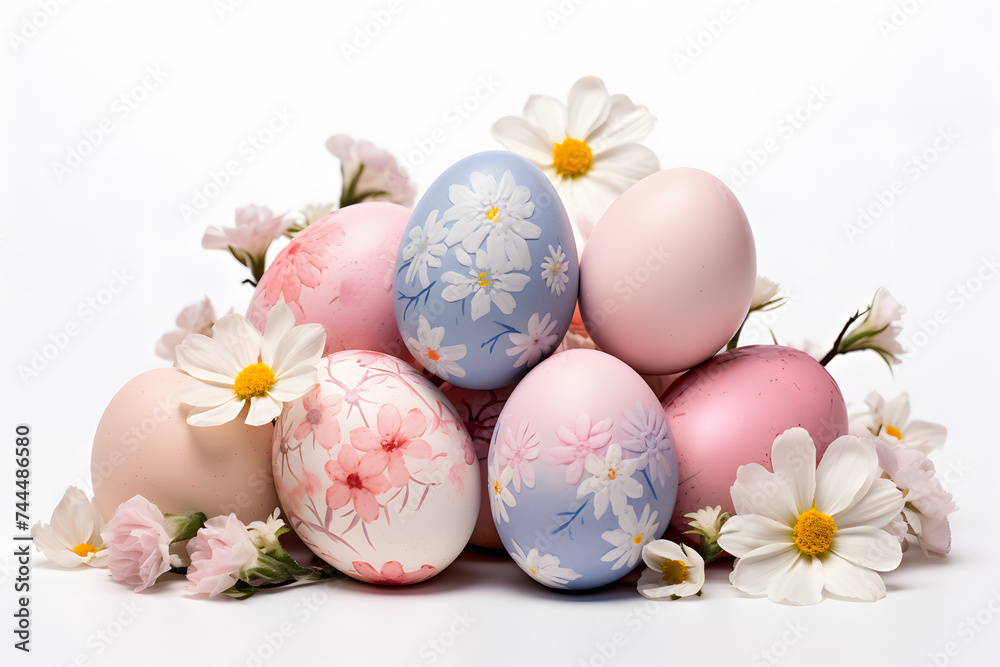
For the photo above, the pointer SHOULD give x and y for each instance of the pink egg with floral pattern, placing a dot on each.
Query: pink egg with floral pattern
(375, 470)
(338, 272)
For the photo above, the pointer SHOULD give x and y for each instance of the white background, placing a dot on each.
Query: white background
(890, 91)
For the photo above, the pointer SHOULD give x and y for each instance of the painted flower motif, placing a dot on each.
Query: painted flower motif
(544, 569)
(490, 281)
(73, 535)
(632, 534)
(519, 447)
(891, 420)
(438, 359)
(396, 437)
(320, 420)
(356, 479)
(585, 147)
(425, 249)
(673, 570)
(256, 227)
(300, 264)
(500, 496)
(221, 554)
(196, 318)
(610, 482)
(927, 504)
(369, 173)
(309, 485)
(494, 212)
(535, 344)
(555, 270)
(392, 573)
(138, 544)
(805, 528)
(584, 440)
(237, 366)
(649, 441)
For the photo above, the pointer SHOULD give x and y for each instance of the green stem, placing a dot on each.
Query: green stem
(835, 350)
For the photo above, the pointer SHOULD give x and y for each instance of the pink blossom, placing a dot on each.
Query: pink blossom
(395, 438)
(358, 479)
(256, 226)
(383, 178)
(307, 487)
(518, 449)
(584, 440)
(392, 573)
(299, 265)
(220, 553)
(196, 318)
(321, 419)
(927, 503)
(138, 544)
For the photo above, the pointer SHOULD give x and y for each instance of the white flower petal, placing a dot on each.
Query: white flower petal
(263, 410)
(549, 115)
(236, 335)
(871, 548)
(627, 123)
(801, 584)
(517, 135)
(292, 386)
(203, 395)
(753, 572)
(756, 491)
(280, 321)
(207, 416)
(925, 436)
(844, 474)
(850, 581)
(793, 457)
(587, 107)
(877, 508)
(744, 533)
(201, 358)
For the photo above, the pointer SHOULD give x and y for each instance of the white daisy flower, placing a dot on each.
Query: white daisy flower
(438, 359)
(674, 571)
(73, 535)
(554, 270)
(535, 344)
(610, 481)
(805, 528)
(891, 419)
(500, 496)
(544, 569)
(630, 537)
(237, 366)
(585, 147)
(491, 280)
(649, 439)
(425, 249)
(496, 212)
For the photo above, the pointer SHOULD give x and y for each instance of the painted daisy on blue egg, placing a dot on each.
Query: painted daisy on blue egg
(239, 366)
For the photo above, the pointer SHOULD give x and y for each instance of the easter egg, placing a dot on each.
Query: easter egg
(338, 273)
(668, 274)
(486, 276)
(375, 471)
(727, 412)
(582, 470)
(478, 409)
(144, 446)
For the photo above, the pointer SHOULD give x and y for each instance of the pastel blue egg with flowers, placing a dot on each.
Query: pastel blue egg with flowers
(486, 276)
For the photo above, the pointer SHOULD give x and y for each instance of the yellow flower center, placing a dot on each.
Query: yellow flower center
(83, 549)
(484, 280)
(638, 539)
(493, 214)
(612, 473)
(254, 381)
(497, 489)
(572, 158)
(533, 570)
(674, 572)
(893, 431)
(813, 532)
(433, 355)
(555, 268)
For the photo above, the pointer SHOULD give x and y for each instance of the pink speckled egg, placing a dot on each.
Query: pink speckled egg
(145, 446)
(375, 471)
(667, 276)
(339, 273)
(727, 412)
(479, 409)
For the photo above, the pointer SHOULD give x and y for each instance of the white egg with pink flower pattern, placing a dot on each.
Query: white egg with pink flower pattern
(375, 471)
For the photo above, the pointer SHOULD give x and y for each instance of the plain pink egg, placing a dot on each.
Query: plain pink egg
(728, 411)
(338, 273)
(668, 274)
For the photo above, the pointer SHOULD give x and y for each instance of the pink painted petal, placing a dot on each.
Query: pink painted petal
(327, 434)
(366, 570)
(388, 420)
(365, 440)
(378, 484)
(365, 504)
(393, 570)
(373, 463)
(348, 459)
(399, 475)
(337, 495)
(417, 449)
(414, 424)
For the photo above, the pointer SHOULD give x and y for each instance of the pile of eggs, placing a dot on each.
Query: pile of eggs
(444, 413)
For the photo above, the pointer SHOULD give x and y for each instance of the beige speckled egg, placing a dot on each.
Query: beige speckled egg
(145, 446)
